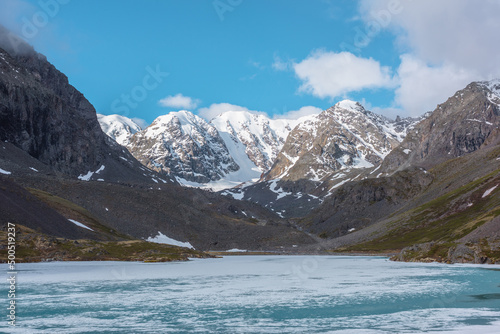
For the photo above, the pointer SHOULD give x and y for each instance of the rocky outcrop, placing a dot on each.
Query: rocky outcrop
(477, 253)
(43, 115)
(356, 205)
(345, 136)
(183, 145)
(466, 122)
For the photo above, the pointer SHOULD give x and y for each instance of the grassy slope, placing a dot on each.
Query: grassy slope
(72, 211)
(448, 217)
(34, 246)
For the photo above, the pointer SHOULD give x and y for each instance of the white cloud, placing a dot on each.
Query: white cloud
(216, 109)
(328, 74)
(448, 44)
(296, 114)
(461, 32)
(139, 121)
(281, 65)
(423, 87)
(179, 101)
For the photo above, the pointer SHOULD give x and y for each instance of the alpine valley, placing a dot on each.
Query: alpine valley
(83, 186)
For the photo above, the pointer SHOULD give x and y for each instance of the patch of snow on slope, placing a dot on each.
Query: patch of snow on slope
(236, 250)
(489, 191)
(100, 169)
(2, 171)
(89, 175)
(163, 239)
(280, 192)
(86, 177)
(80, 224)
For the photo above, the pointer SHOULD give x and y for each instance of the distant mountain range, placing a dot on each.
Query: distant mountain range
(345, 180)
(233, 148)
(240, 147)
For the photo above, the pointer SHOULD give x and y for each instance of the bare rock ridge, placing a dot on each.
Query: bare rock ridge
(41, 113)
(183, 145)
(345, 136)
(466, 122)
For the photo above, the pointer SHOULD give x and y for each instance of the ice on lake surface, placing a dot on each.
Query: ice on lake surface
(257, 294)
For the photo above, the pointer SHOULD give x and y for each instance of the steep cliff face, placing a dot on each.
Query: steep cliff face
(44, 115)
(466, 122)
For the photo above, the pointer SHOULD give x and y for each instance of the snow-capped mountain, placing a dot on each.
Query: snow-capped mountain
(185, 146)
(260, 137)
(233, 148)
(323, 152)
(343, 137)
(118, 127)
(237, 146)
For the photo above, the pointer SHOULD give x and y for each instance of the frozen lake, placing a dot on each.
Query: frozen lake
(257, 294)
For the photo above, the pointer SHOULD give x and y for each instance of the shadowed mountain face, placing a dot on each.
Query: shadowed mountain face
(41, 113)
(45, 116)
(466, 122)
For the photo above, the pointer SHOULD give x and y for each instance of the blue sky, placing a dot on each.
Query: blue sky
(282, 57)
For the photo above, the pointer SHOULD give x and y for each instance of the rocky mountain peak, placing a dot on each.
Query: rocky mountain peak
(463, 124)
(184, 145)
(260, 136)
(118, 127)
(344, 136)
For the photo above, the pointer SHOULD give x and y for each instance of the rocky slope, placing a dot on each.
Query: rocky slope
(345, 136)
(185, 146)
(42, 114)
(118, 127)
(447, 211)
(466, 122)
(323, 152)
